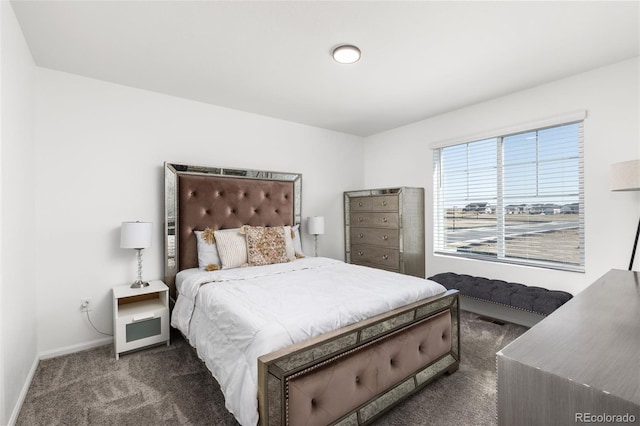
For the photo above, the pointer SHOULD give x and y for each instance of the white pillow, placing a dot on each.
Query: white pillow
(297, 242)
(208, 258)
(288, 242)
(232, 248)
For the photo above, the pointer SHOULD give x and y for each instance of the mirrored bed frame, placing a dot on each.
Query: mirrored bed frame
(379, 361)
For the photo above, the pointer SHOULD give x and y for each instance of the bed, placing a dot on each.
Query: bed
(283, 348)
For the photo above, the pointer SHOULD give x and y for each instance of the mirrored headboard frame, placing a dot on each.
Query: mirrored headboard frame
(171, 173)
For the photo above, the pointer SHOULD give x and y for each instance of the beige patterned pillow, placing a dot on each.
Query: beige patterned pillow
(266, 245)
(232, 248)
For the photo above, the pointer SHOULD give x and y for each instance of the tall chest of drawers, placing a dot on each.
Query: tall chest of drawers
(384, 228)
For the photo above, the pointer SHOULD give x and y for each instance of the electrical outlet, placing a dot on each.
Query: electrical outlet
(85, 304)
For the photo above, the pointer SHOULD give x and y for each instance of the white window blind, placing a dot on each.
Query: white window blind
(513, 198)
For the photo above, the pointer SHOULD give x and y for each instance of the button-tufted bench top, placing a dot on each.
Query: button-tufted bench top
(534, 299)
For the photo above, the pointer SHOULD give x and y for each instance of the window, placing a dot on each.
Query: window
(514, 198)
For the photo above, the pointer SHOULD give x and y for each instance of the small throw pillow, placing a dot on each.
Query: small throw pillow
(232, 248)
(266, 245)
(208, 258)
(288, 241)
(297, 243)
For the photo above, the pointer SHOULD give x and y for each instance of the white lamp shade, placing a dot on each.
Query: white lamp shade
(625, 176)
(136, 235)
(315, 225)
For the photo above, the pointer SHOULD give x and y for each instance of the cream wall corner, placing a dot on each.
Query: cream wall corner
(611, 96)
(18, 330)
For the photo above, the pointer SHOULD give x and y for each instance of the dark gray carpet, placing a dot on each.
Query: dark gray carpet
(170, 385)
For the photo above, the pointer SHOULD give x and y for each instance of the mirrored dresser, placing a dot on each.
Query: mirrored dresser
(384, 228)
(581, 364)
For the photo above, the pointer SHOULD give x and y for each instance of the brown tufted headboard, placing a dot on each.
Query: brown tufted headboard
(200, 197)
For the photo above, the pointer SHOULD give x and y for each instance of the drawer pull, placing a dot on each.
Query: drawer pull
(385, 220)
(360, 253)
(361, 235)
(359, 203)
(143, 317)
(385, 257)
(384, 203)
(385, 237)
(360, 219)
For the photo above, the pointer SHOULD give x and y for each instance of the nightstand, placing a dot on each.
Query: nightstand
(140, 316)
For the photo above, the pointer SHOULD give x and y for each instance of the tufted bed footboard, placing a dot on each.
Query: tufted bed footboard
(352, 375)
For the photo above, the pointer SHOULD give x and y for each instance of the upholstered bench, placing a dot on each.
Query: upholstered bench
(537, 300)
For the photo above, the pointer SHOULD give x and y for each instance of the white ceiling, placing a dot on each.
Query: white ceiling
(419, 59)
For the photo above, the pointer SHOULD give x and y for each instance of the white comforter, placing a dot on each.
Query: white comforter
(234, 316)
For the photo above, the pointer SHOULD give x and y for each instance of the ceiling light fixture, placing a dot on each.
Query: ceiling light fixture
(346, 54)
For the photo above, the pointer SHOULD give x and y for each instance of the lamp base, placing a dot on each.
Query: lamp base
(140, 284)
(316, 245)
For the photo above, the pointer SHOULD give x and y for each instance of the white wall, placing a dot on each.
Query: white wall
(18, 350)
(611, 97)
(99, 161)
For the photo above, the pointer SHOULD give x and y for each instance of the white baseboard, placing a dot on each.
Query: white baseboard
(76, 348)
(23, 392)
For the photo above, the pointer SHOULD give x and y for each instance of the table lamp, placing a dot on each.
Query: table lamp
(136, 235)
(315, 227)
